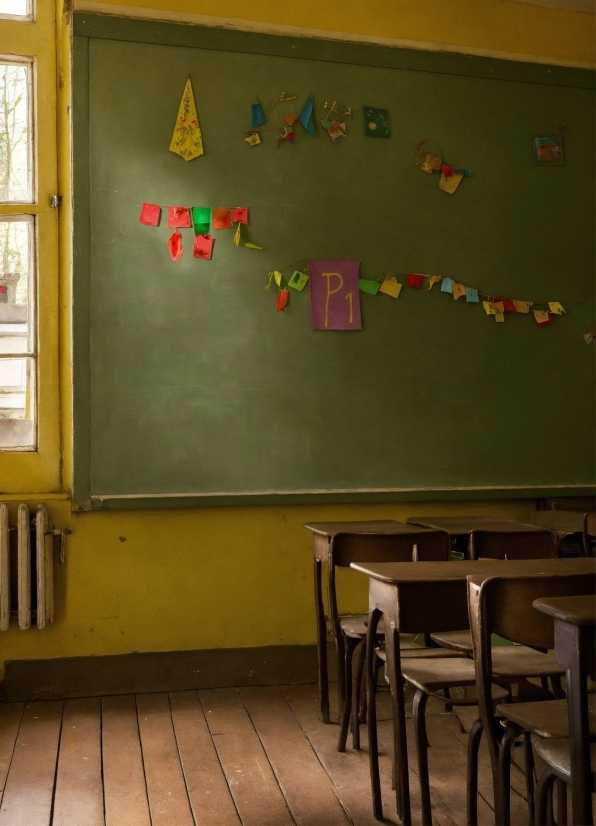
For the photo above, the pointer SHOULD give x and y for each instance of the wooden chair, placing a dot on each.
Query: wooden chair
(503, 606)
(589, 533)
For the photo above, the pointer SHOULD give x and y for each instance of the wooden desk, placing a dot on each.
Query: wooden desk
(575, 644)
(409, 597)
(323, 535)
(567, 521)
(457, 526)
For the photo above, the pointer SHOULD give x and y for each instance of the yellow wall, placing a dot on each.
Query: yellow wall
(233, 577)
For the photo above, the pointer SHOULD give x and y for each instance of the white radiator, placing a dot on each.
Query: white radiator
(33, 587)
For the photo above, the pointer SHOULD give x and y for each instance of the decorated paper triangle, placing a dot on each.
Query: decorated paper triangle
(187, 140)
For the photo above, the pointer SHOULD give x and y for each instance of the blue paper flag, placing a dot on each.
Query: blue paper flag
(447, 285)
(258, 116)
(472, 296)
(465, 172)
(306, 116)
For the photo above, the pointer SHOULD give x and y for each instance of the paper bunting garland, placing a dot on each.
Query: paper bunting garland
(391, 286)
(179, 217)
(430, 159)
(365, 285)
(187, 140)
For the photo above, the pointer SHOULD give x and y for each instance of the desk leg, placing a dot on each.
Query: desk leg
(321, 646)
(400, 745)
(371, 686)
(581, 798)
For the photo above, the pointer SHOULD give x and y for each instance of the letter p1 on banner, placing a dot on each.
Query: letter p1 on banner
(334, 295)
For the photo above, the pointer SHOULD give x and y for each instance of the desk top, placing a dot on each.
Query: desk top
(574, 610)
(397, 572)
(468, 524)
(569, 521)
(384, 526)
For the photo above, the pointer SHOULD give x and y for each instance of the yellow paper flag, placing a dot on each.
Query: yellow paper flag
(277, 277)
(451, 183)
(187, 140)
(433, 279)
(556, 308)
(522, 306)
(496, 308)
(499, 317)
(238, 235)
(458, 291)
(391, 286)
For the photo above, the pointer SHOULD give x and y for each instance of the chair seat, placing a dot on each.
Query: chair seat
(547, 719)
(556, 754)
(418, 652)
(356, 627)
(436, 674)
(458, 640)
(511, 661)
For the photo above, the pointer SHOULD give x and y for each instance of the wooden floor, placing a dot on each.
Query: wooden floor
(254, 756)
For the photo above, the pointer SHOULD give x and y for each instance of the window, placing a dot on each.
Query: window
(16, 9)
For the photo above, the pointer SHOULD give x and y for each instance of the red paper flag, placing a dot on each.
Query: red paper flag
(282, 300)
(240, 215)
(414, 279)
(508, 304)
(447, 170)
(175, 245)
(179, 217)
(150, 215)
(222, 218)
(203, 247)
(546, 322)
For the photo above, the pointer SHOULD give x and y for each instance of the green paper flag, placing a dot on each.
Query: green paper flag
(376, 122)
(252, 246)
(201, 219)
(298, 281)
(367, 286)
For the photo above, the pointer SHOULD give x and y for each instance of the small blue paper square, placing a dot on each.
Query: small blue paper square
(472, 296)
(447, 285)
(258, 116)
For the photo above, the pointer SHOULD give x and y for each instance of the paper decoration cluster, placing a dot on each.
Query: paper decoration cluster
(430, 159)
(376, 122)
(199, 219)
(548, 150)
(187, 140)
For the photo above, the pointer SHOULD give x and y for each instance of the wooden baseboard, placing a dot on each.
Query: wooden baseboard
(161, 671)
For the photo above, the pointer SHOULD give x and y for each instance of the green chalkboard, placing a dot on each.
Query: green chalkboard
(190, 388)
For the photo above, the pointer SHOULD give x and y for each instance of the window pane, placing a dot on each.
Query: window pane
(15, 8)
(15, 132)
(17, 333)
(17, 403)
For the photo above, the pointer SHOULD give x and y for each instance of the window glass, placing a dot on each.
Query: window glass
(15, 133)
(15, 8)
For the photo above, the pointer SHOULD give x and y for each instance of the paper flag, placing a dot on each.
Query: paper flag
(222, 218)
(306, 116)
(472, 296)
(376, 122)
(258, 116)
(450, 184)
(203, 247)
(368, 286)
(458, 290)
(334, 294)
(447, 170)
(556, 308)
(298, 281)
(430, 163)
(290, 119)
(465, 172)
(201, 220)
(282, 300)
(391, 286)
(179, 217)
(240, 214)
(335, 130)
(150, 215)
(590, 337)
(509, 305)
(187, 140)
(238, 235)
(543, 318)
(433, 279)
(252, 246)
(493, 307)
(253, 139)
(414, 279)
(276, 275)
(175, 245)
(522, 306)
(447, 285)
(499, 317)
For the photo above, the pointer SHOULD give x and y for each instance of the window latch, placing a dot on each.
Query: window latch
(55, 201)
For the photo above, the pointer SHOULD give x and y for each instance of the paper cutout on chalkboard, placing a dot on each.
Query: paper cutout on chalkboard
(376, 122)
(508, 304)
(556, 308)
(306, 116)
(238, 235)
(368, 286)
(391, 286)
(414, 279)
(522, 306)
(150, 215)
(499, 317)
(175, 246)
(253, 139)
(258, 116)
(432, 280)
(548, 151)
(298, 281)
(187, 140)
(543, 318)
(449, 184)
(203, 247)
(252, 246)
(447, 285)
(336, 129)
(447, 170)
(458, 291)
(591, 336)
(179, 216)
(290, 119)
(334, 294)
(472, 296)
(282, 300)
(201, 220)
(495, 308)
(222, 218)
(240, 214)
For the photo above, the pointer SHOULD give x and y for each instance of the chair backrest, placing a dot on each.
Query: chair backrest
(589, 532)
(571, 503)
(537, 544)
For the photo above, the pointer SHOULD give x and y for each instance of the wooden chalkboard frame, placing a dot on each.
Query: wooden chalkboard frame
(89, 26)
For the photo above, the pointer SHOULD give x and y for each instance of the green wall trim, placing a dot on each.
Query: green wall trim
(307, 48)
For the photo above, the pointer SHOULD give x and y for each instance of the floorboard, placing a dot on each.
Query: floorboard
(210, 798)
(10, 720)
(78, 799)
(250, 777)
(28, 793)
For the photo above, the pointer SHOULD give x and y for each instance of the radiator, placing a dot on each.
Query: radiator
(32, 578)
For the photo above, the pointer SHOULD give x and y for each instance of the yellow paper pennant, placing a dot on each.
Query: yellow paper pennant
(540, 316)
(391, 286)
(494, 308)
(522, 306)
(499, 316)
(238, 235)
(277, 277)
(451, 183)
(556, 308)
(487, 308)
(187, 140)
(458, 291)
(433, 279)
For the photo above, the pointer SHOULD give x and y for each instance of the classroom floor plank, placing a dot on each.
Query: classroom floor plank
(125, 793)
(10, 720)
(78, 799)
(293, 758)
(166, 789)
(210, 798)
(250, 777)
(28, 793)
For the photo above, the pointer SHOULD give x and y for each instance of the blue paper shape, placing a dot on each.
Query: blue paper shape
(472, 296)
(465, 172)
(306, 116)
(258, 116)
(447, 285)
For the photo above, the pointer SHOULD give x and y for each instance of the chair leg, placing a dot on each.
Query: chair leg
(448, 706)
(418, 709)
(472, 785)
(346, 712)
(373, 744)
(545, 783)
(561, 789)
(557, 688)
(529, 772)
(504, 791)
(359, 691)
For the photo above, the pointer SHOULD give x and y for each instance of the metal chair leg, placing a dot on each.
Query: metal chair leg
(545, 782)
(472, 785)
(529, 772)
(511, 732)
(561, 789)
(346, 712)
(419, 708)
(357, 695)
(373, 744)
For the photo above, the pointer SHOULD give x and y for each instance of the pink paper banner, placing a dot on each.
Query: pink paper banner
(334, 295)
